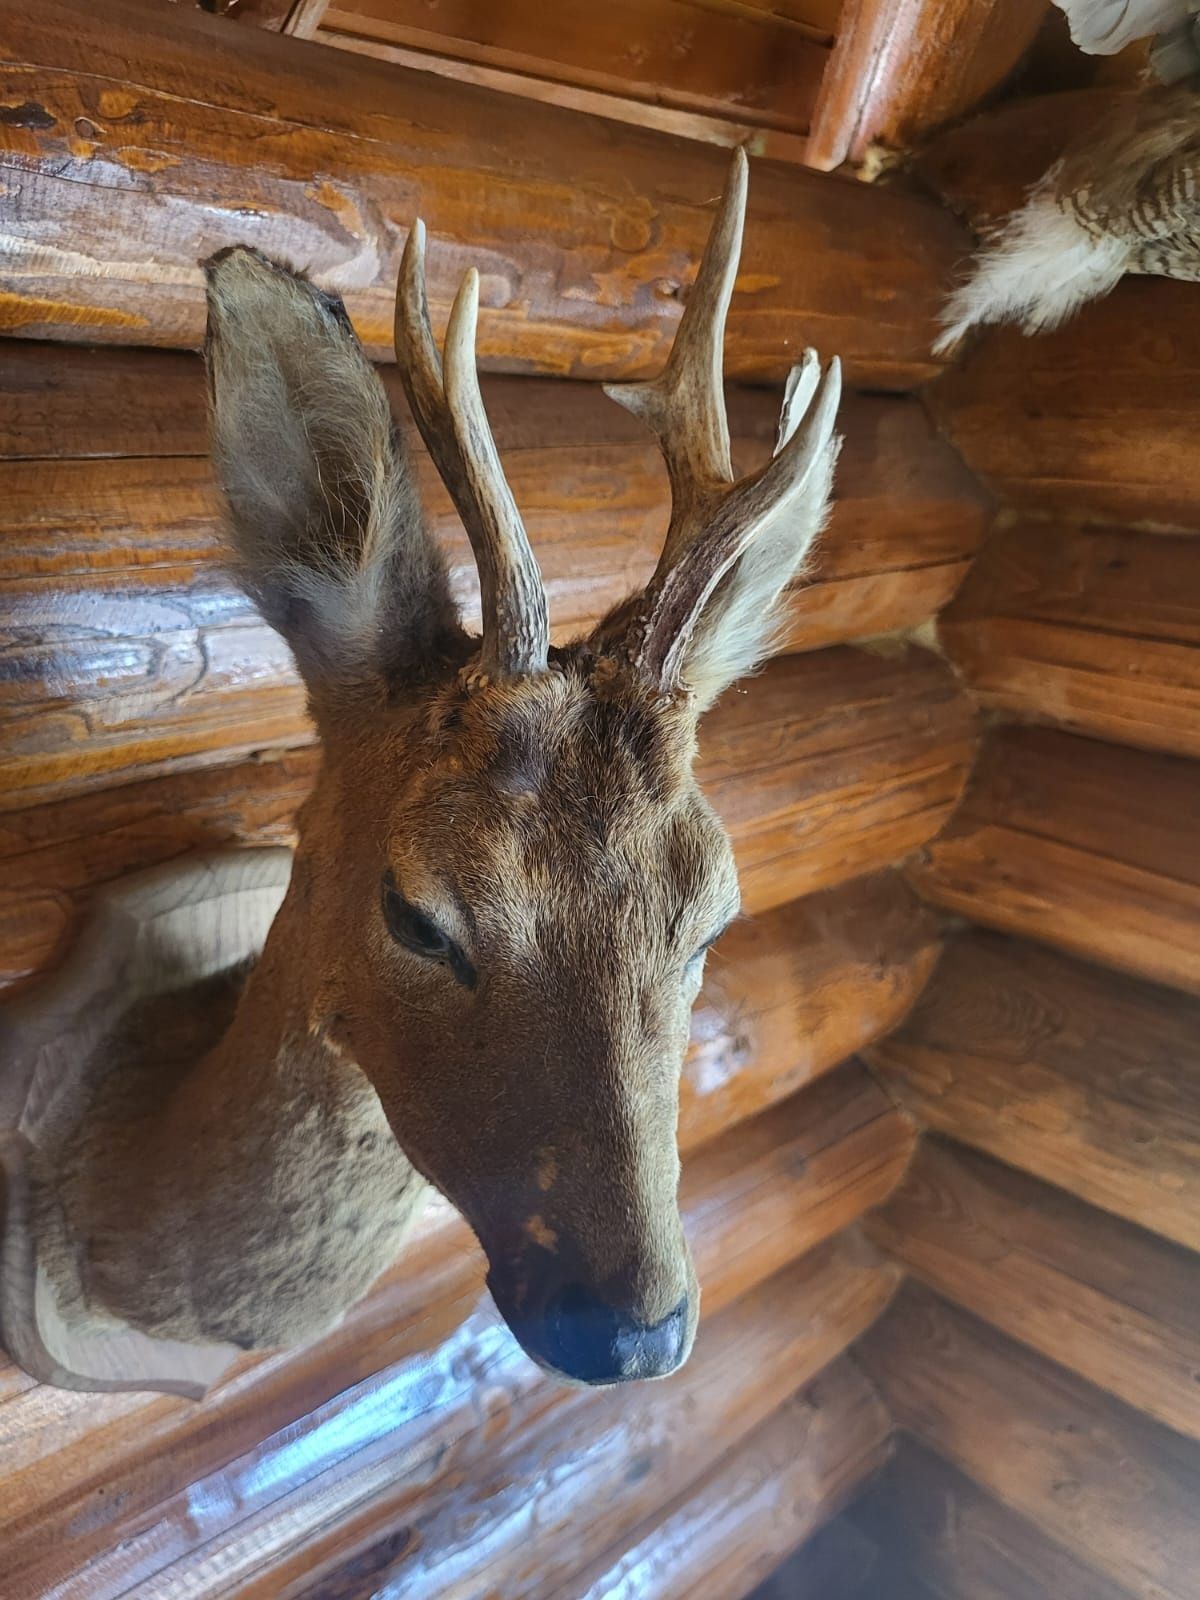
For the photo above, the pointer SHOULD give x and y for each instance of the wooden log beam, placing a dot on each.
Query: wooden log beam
(1096, 420)
(1115, 1304)
(281, 1439)
(120, 182)
(762, 1499)
(968, 1544)
(554, 1495)
(128, 652)
(748, 64)
(792, 993)
(1096, 630)
(1084, 845)
(827, 767)
(1087, 1080)
(1117, 1490)
(901, 69)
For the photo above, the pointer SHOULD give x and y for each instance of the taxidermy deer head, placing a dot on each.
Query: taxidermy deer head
(507, 878)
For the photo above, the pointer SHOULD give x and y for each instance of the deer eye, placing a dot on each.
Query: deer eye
(420, 934)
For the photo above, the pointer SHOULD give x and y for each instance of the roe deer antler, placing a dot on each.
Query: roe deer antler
(713, 518)
(449, 411)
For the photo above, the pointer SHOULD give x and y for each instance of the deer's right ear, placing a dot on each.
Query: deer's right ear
(327, 531)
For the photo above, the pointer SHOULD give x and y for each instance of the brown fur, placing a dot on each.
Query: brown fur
(549, 825)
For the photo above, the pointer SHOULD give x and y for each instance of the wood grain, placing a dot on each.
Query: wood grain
(826, 767)
(759, 1502)
(548, 1499)
(1115, 1304)
(985, 165)
(792, 993)
(217, 136)
(967, 1543)
(900, 69)
(1096, 630)
(1116, 1489)
(1087, 1080)
(126, 651)
(749, 65)
(123, 1486)
(1083, 845)
(1095, 420)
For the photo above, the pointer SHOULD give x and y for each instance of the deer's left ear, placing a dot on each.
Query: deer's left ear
(740, 623)
(326, 527)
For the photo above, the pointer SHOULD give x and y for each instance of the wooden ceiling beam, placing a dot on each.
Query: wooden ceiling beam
(121, 181)
(902, 68)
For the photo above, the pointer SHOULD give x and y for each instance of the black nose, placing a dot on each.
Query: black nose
(585, 1339)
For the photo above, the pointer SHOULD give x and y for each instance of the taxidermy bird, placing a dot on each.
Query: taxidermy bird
(1125, 197)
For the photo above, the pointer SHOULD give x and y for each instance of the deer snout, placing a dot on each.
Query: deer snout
(585, 1339)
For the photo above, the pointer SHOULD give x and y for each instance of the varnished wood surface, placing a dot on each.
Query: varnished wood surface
(127, 180)
(1083, 1078)
(984, 166)
(1096, 630)
(967, 1543)
(1114, 1303)
(748, 65)
(1116, 1489)
(418, 1378)
(901, 69)
(1082, 844)
(1096, 420)
(825, 767)
(760, 1501)
(790, 994)
(128, 652)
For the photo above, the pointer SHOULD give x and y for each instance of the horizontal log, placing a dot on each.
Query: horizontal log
(417, 1369)
(967, 1543)
(984, 167)
(1096, 630)
(1096, 420)
(899, 70)
(1117, 1490)
(1085, 845)
(738, 62)
(759, 1502)
(127, 651)
(828, 766)
(1115, 1304)
(792, 993)
(548, 1499)
(1087, 1080)
(121, 183)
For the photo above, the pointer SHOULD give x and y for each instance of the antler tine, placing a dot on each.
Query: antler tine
(449, 411)
(685, 405)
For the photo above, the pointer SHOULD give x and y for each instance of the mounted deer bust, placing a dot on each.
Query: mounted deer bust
(506, 880)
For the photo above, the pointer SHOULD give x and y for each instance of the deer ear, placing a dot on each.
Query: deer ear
(743, 618)
(327, 531)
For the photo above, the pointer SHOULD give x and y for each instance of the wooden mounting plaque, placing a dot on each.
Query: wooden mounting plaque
(151, 934)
